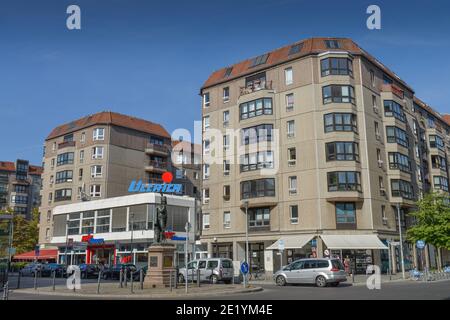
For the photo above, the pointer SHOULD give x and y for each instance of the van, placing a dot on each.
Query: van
(212, 270)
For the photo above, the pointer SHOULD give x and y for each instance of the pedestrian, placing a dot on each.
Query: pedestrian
(347, 265)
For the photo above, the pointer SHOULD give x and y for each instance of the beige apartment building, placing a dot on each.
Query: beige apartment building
(329, 147)
(97, 157)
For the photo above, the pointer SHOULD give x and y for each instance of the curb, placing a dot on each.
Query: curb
(137, 295)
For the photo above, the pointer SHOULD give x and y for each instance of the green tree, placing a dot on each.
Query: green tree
(26, 232)
(432, 221)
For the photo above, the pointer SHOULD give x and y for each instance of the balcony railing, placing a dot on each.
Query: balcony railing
(66, 144)
(255, 86)
(157, 164)
(156, 148)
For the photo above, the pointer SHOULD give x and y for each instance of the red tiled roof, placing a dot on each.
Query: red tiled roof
(11, 166)
(43, 254)
(281, 55)
(446, 118)
(113, 118)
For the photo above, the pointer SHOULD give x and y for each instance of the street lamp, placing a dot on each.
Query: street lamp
(187, 228)
(131, 240)
(401, 240)
(246, 238)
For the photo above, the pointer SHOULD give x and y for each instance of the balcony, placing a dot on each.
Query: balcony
(156, 166)
(393, 89)
(157, 149)
(255, 86)
(66, 144)
(354, 196)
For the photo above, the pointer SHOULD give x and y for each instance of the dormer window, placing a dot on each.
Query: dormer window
(332, 44)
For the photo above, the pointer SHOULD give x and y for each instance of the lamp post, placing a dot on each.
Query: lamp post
(131, 239)
(67, 241)
(246, 240)
(187, 228)
(401, 240)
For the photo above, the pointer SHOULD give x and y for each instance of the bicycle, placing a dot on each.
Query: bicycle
(257, 275)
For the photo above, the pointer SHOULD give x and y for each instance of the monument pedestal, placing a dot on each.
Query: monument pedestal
(160, 265)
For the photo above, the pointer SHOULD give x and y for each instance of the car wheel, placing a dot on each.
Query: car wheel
(321, 281)
(334, 284)
(281, 281)
(214, 279)
(180, 278)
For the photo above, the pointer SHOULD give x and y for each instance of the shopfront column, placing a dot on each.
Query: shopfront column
(210, 249)
(393, 260)
(319, 247)
(427, 257)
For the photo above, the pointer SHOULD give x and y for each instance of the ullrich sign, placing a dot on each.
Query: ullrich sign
(154, 187)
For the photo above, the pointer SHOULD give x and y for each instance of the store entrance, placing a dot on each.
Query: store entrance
(359, 259)
(103, 255)
(256, 253)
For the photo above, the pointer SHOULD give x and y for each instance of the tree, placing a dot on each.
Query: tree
(432, 221)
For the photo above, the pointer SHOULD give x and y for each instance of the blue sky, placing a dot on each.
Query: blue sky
(149, 58)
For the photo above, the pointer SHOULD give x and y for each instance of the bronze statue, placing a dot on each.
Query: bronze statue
(160, 221)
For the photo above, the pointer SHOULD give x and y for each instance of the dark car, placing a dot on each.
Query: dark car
(31, 269)
(89, 270)
(137, 274)
(48, 269)
(114, 271)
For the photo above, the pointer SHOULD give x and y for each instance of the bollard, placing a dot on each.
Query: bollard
(131, 281)
(170, 279)
(176, 277)
(353, 276)
(141, 279)
(121, 278)
(125, 277)
(198, 277)
(35, 281)
(18, 279)
(6, 290)
(53, 279)
(98, 281)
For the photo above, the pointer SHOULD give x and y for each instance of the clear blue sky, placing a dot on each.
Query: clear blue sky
(149, 58)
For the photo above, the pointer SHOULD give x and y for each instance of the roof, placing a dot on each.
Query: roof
(433, 112)
(446, 118)
(11, 166)
(281, 55)
(43, 254)
(110, 118)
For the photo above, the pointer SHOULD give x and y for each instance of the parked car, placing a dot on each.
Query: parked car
(48, 269)
(211, 270)
(137, 274)
(31, 269)
(318, 271)
(114, 271)
(89, 270)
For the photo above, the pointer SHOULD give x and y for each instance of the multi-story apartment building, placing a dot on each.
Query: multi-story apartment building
(97, 157)
(323, 146)
(20, 186)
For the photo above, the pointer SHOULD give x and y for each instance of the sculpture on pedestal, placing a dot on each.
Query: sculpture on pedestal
(160, 221)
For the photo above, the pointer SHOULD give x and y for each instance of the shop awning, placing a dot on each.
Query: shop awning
(292, 242)
(44, 254)
(354, 241)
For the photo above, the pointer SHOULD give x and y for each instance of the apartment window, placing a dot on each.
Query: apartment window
(80, 174)
(436, 142)
(258, 188)
(336, 66)
(97, 153)
(63, 194)
(96, 171)
(399, 161)
(205, 195)
(288, 76)
(256, 161)
(381, 186)
(95, 191)
(226, 118)
(103, 221)
(81, 156)
(292, 185)
(415, 125)
(397, 135)
(338, 94)
(18, 188)
(293, 213)
(195, 175)
(226, 142)
(340, 122)
(49, 215)
(402, 188)
(205, 171)
(87, 222)
(393, 109)
(255, 108)
(52, 163)
(54, 146)
(416, 149)
(50, 197)
(387, 80)
(296, 48)
(342, 151)
(226, 167)
(345, 215)
(227, 219)
(438, 162)
(68, 138)
(344, 181)
(206, 100)
(180, 174)
(206, 145)
(99, 134)
(372, 78)
(228, 72)
(292, 156)
(440, 183)
(258, 60)
(205, 221)
(226, 192)
(290, 102)
(332, 44)
(259, 217)
(431, 122)
(19, 199)
(290, 128)
(377, 130)
(374, 103)
(64, 176)
(226, 94)
(73, 223)
(64, 158)
(255, 134)
(419, 175)
(205, 123)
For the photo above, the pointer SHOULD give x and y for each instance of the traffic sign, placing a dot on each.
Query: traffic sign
(327, 252)
(244, 267)
(395, 243)
(420, 244)
(281, 244)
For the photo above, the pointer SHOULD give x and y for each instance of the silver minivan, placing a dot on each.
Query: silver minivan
(318, 271)
(211, 270)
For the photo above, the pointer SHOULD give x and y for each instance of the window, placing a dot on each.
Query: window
(255, 108)
(206, 99)
(393, 109)
(95, 191)
(83, 137)
(205, 221)
(206, 196)
(419, 174)
(227, 219)
(258, 188)
(336, 66)
(19, 199)
(258, 60)
(228, 72)
(73, 223)
(80, 174)
(205, 171)
(256, 161)
(255, 134)
(436, 142)
(387, 80)
(206, 145)
(292, 185)
(338, 94)
(344, 181)
(97, 153)
(377, 130)
(64, 176)
(345, 215)
(340, 122)
(342, 151)
(81, 156)
(18, 188)
(292, 156)
(258, 217)
(438, 162)
(383, 214)
(288, 76)
(402, 188)
(226, 118)
(381, 186)
(290, 102)
(226, 94)
(399, 161)
(293, 213)
(226, 192)
(431, 122)
(374, 104)
(50, 197)
(372, 78)
(205, 123)
(296, 48)
(290, 128)
(63, 194)
(87, 222)
(440, 183)
(156, 140)
(332, 44)
(68, 138)
(195, 175)
(226, 167)
(54, 146)
(180, 173)
(103, 221)
(96, 171)
(64, 158)
(397, 135)
(52, 163)
(99, 134)
(226, 142)
(49, 215)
